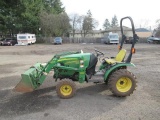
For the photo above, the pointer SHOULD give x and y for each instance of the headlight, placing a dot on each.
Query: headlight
(81, 66)
(58, 64)
(81, 61)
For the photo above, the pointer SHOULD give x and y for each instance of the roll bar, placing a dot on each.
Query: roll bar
(128, 60)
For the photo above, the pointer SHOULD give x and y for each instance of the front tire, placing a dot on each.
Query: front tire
(122, 83)
(66, 89)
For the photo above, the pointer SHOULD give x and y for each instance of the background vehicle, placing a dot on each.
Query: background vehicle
(57, 40)
(111, 38)
(129, 40)
(9, 41)
(153, 39)
(1, 40)
(26, 39)
(78, 66)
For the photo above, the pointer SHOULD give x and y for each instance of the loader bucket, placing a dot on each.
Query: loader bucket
(23, 86)
(31, 79)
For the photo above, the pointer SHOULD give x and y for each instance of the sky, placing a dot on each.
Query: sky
(143, 12)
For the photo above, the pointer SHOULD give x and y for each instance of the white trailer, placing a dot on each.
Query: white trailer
(26, 39)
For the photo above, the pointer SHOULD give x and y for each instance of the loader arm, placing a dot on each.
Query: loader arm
(35, 76)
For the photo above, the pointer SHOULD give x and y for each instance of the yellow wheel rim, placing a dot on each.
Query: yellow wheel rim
(66, 90)
(124, 84)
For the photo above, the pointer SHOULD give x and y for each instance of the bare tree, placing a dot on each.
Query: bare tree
(157, 34)
(95, 23)
(44, 21)
(63, 25)
(75, 21)
(157, 23)
(80, 24)
(54, 25)
(144, 23)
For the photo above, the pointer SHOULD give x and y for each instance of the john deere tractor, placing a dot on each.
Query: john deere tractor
(78, 66)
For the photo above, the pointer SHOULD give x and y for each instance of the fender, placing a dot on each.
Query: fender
(115, 67)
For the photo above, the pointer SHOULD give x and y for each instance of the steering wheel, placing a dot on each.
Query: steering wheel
(98, 52)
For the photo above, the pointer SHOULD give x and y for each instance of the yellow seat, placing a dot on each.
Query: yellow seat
(119, 57)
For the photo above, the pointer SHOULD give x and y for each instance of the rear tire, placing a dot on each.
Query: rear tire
(122, 83)
(66, 89)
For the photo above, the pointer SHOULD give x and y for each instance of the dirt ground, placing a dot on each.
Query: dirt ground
(92, 101)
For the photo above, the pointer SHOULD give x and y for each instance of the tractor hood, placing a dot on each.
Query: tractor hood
(74, 59)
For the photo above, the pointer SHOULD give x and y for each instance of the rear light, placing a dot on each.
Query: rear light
(119, 47)
(133, 50)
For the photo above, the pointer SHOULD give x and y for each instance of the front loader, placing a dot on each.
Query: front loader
(78, 66)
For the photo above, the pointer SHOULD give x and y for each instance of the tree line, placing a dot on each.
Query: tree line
(47, 18)
(114, 23)
(86, 24)
(43, 17)
(83, 24)
(24, 16)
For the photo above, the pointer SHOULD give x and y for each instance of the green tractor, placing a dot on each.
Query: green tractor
(78, 66)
